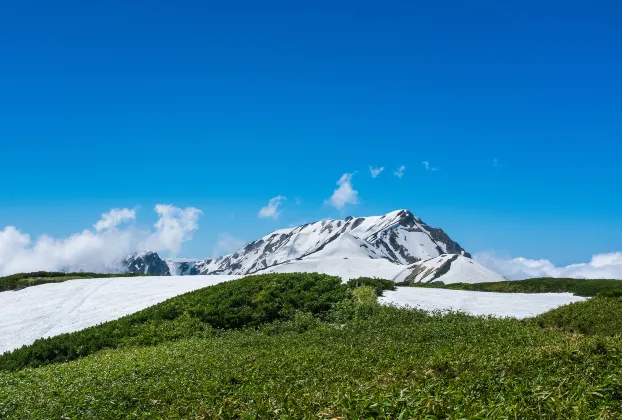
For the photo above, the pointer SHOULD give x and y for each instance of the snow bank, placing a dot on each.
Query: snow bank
(55, 308)
(516, 305)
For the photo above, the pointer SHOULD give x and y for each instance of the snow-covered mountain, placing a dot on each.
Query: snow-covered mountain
(146, 262)
(389, 246)
(398, 237)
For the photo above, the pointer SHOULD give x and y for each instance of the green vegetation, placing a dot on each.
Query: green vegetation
(302, 346)
(379, 285)
(579, 287)
(601, 315)
(248, 302)
(22, 280)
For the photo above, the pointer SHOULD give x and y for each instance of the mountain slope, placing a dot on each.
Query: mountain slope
(448, 268)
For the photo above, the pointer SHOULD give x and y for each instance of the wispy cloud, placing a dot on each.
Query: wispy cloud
(114, 218)
(100, 249)
(427, 166)
(601, 266)
(376, 171)
(345, 194)
(400, 171)
(227, 244)
(272, 209)
(496, 164)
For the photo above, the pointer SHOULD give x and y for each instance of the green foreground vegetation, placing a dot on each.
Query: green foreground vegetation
(579, 287)
(296, 346)
(23, 280)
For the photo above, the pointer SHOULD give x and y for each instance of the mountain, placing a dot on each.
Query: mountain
(146, 262)
(394, 245)
(398, 237)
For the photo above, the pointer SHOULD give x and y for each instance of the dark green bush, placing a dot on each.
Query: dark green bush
(22, 280)
(580, 287)
(247, 302)
(379, 285)
(596, 316)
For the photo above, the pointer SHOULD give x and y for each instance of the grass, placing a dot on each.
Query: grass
(347, 357)
(579, 287)
(390, 364)
(601, 315)
(23, 280)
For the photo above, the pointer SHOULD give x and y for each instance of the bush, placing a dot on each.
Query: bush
(597, 316)
(580, 287)
(247, 302)
(23, 280)
(379, 285)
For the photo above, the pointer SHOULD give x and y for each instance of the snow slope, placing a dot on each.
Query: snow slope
(55, 308)
(448, 269)
(516, 305)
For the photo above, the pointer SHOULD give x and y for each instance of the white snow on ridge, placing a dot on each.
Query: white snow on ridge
(516, 305)
(460, 270)
(56, 308)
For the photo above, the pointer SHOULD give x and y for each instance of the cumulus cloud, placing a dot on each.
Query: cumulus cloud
(601, 266)
(427, 166)
(272, 209)
(227, 244)
(345, 194)
(400, 171)
(100, 249)
(114, 218)
(376, 171)
(174, 226)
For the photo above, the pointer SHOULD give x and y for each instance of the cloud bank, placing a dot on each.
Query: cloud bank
(100, 249)
(272, 209)
(601, 266)
(345, 194)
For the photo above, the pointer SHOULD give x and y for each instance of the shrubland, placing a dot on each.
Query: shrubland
(295, 346)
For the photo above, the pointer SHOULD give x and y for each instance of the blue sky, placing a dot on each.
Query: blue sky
(224, 106)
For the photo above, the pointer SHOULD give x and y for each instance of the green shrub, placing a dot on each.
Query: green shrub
(596, 316)
(365, 295)
(22, 280)
(379, 285)
(394, 364)
(247, 302)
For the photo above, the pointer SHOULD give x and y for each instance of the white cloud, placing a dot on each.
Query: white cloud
(376, 171)
(400, 171)
(100, 249)
(428, 167)
(272, 209)
(114, 218)
(227, 244)
(496, 164)
(174, 226)
(345, 194)
(601, 266)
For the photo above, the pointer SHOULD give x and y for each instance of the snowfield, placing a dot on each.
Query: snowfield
(516, 305)
(56, 308)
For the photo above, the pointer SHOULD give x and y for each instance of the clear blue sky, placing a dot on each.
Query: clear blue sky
(223, 105)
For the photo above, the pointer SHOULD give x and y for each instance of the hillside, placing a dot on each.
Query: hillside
(332, 355)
